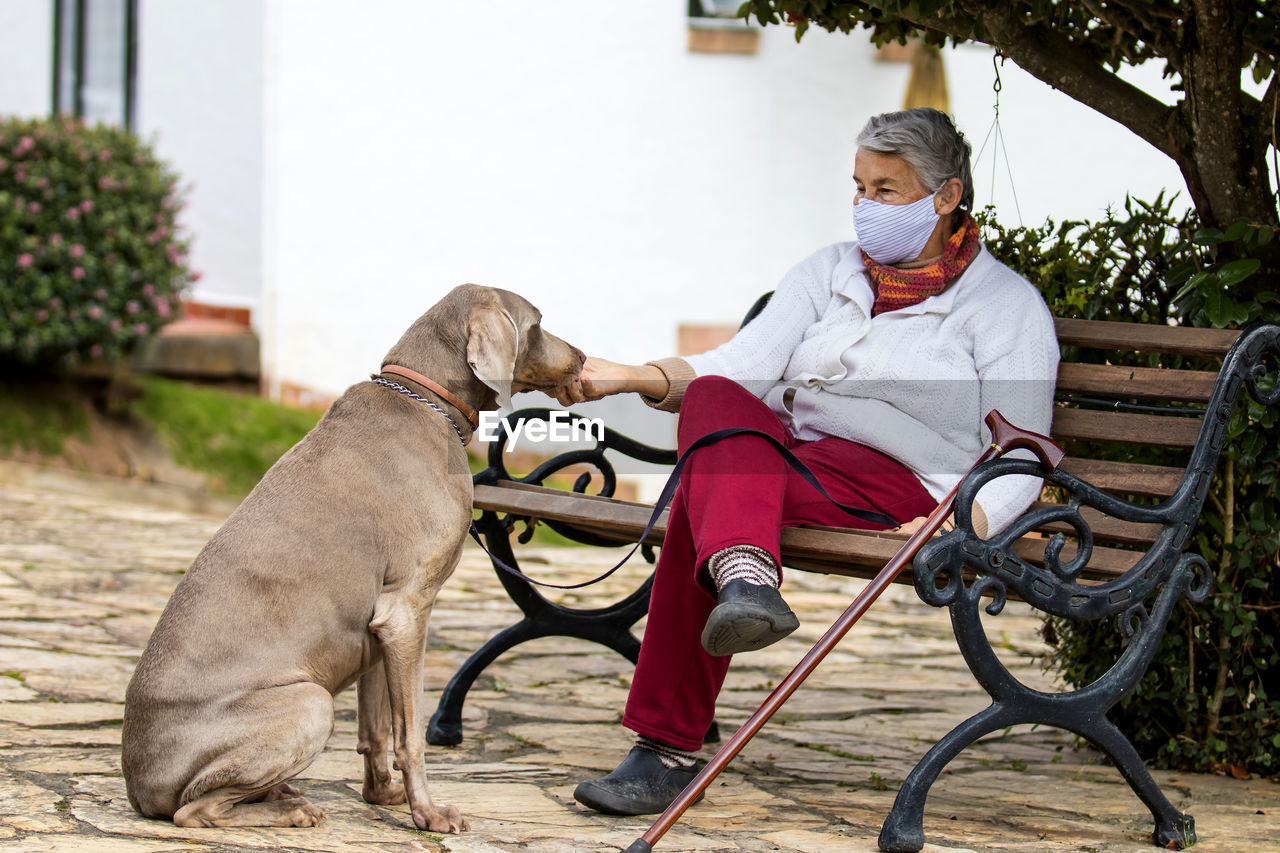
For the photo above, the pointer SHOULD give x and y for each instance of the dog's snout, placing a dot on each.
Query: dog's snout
(582, 356)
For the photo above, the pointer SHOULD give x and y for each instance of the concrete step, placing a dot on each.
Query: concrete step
(202, 347)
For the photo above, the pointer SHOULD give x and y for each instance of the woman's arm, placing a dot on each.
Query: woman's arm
(758, 352)
(1017, 361)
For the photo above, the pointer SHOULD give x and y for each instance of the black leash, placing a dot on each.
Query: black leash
(669, 490)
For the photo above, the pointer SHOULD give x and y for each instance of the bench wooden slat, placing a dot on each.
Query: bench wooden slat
(1129, 427)
(1141, 383)
(1107, 529)
(1125, 478)
(604, 516)
(852, 553)
(861, 553)
(1177, 340)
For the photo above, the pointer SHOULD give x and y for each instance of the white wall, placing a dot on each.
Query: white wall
(26, 57)
(574, 152)
(199, 99)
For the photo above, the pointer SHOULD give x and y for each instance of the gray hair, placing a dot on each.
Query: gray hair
(930, 143)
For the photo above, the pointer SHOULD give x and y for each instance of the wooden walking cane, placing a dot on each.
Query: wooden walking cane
(1004, 437)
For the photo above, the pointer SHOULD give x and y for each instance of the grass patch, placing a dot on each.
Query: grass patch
(36, 418)
(231, 438)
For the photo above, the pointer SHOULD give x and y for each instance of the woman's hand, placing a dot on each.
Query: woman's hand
(910, 527)
(977, 518)
(603, 378)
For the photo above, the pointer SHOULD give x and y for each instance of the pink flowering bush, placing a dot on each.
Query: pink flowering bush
(91, 259)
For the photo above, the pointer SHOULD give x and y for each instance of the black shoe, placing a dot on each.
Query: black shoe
(639, 785)
(749, 617)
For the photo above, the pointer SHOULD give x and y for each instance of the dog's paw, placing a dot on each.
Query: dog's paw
(385, 792)
(304, 814)
(447, 819)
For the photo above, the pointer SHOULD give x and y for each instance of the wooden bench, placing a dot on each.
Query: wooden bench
(1106, 539)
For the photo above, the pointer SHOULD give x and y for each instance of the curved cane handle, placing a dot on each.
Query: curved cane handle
(1005, 437)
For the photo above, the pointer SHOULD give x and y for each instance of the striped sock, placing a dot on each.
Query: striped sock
(744, 562)
(670, 756)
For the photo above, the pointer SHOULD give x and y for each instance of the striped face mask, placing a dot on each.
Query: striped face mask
(892, 233)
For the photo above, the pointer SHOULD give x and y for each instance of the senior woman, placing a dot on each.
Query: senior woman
(874, 362)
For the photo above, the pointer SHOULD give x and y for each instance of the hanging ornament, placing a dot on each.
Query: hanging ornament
(999, 143)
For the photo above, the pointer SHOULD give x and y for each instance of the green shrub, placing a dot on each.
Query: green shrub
(1211, 699)
(91, 259)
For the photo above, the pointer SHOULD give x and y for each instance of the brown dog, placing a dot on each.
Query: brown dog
(325, 575)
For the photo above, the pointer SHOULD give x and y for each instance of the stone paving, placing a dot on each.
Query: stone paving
(86, 565)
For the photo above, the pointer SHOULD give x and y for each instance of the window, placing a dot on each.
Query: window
(725, 10)
(714, 27)
(94, 58)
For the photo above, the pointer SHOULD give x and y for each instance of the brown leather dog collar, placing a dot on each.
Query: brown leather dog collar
(472, 416)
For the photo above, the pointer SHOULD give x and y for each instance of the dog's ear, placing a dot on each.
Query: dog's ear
(492, 343)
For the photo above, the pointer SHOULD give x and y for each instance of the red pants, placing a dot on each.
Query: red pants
(739, 491)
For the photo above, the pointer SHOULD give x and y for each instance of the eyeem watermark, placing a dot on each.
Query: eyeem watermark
(560, 426)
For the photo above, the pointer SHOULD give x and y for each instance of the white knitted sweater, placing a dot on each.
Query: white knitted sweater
(914, 383)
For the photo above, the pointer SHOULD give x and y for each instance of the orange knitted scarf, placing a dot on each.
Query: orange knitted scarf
(897, 288)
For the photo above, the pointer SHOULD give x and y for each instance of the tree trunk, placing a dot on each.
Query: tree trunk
(1221, 148)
